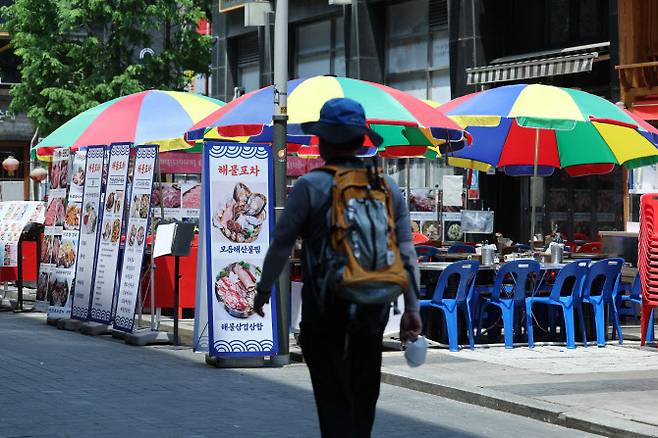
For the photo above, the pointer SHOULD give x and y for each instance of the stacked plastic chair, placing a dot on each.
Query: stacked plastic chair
(647, 260)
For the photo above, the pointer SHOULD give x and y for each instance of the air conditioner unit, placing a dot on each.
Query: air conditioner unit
(255, 13)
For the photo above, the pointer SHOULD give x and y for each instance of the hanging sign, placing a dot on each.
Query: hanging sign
(238, 215)
(88, 232)
(136, 232)
(105, 269)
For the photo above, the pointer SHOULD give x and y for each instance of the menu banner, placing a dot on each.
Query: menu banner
(53, 285)
(88, 230)
(238, 215)
(105, 268)
(136, 232)
(62, 274)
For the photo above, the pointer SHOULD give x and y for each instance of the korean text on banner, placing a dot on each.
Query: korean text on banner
(88, 229)
(105, 269)
(238, 215)
(136, 232)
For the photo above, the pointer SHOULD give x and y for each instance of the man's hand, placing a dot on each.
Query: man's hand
(410, 326)
(260, 300)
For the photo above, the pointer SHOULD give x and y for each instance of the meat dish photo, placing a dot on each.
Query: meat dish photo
(54, 175)
(63, 174)
(55, 212)
(117, 201)
(156, 196)
(131, 235)
(235, 287)
(242, 217)
(42, 287)
(59, 292)
(46, 243)
(171, 196)
(422, 201)
(192, 197)
(57, 240)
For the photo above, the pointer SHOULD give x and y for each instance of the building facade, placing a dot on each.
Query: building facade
(438, 50)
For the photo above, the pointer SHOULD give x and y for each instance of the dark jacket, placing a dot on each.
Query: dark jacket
(305, 215)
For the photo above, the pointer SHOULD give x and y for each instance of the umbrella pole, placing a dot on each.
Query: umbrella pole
(533, 189)
(408, 178)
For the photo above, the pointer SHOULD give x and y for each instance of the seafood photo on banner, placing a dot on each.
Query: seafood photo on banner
(242, 217)
(235, 287)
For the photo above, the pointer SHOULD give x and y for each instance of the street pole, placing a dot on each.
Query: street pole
(280, 120)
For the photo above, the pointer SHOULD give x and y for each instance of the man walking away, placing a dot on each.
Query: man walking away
(350, 279)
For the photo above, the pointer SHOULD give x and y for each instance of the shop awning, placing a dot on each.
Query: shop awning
(539, 64)
(646, 109)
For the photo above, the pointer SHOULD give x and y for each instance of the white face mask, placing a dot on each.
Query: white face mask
(416, 352)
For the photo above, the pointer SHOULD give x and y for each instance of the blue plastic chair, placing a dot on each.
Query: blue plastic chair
(426, 253)
(459, 248)
(576, 272)
(634, 297)
(608, 271)
(466, 271)
(521, 272)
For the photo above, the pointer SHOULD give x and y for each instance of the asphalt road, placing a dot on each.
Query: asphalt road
(57, 383)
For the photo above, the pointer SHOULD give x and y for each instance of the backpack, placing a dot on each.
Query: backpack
(360, 260)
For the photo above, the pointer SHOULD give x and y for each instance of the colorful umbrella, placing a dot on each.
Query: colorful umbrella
(408, 125)
(534, 129)
(569, 129)
(151, 116)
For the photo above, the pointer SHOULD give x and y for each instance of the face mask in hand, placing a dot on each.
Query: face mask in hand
(416, 352)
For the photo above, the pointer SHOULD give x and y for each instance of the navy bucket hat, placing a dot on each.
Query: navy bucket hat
(341, 121)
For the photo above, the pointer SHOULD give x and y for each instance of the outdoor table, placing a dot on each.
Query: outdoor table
(588, 255)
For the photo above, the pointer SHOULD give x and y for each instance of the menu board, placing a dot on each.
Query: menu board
(178, 200)
(14, 216)
(423, 212)
(88, 231)
(105, 269)
(136, 232)
(52, 285)
(238, 217)
(63, 259)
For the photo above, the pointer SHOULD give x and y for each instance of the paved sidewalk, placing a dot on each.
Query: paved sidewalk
(64, 384)
(611, 391)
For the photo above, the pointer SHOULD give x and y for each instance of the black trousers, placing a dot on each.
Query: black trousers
(344, 357)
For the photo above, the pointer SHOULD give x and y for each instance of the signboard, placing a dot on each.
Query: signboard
(65, 251)
(136, 232)
(52, 286)
(14, 216)
(105, 269)
(238, 215)
(88, 231)
(179, 200)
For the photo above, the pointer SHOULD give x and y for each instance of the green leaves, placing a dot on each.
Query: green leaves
(76, 54)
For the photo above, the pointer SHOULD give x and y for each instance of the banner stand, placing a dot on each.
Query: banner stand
(236, 362)
(72, 325)
(151, 335)
(95, 328)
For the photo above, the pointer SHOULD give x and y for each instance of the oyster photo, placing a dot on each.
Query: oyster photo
(241, 219)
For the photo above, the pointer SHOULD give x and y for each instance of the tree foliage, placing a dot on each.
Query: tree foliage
(76, 54)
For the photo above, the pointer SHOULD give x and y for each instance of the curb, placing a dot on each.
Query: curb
(591, 421)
